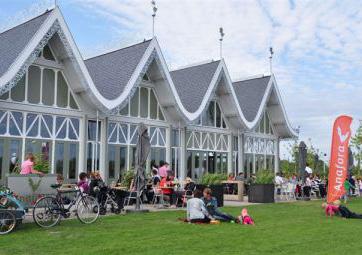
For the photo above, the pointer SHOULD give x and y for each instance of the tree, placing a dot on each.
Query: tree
(356, 142)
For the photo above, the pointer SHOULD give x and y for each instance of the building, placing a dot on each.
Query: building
(82, 115)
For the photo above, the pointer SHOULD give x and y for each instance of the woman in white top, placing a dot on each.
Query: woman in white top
(196, 210)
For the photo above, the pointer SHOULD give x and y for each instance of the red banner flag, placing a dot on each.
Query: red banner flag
(338, 166)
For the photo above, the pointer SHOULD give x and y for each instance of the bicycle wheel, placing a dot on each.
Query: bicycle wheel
(87, 209)
(47, 212)
(7, 222)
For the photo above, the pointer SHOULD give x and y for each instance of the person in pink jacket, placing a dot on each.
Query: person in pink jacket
(27, 167)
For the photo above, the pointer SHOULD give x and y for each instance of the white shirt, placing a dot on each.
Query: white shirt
(278, 180)
(196, 209)
(308, 170)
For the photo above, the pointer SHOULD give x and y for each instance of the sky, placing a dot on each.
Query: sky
(317, 45)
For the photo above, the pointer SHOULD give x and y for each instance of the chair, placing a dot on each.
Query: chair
(157, 196)
(132, 196)
(284, 192)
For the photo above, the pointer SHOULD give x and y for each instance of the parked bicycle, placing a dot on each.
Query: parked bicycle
(12, 211)
(49, 210)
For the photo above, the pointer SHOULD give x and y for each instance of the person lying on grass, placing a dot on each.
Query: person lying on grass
(245, 218)
(337, 209)
(196, 211)
(213, 210)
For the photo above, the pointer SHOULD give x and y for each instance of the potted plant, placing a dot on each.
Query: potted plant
(127, 178)
(214, 182)
(262, 188)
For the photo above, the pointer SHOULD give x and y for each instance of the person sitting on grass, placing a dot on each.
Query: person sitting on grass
(211, 206)
(245, 218)
(337, 209)
(83, 183)
(196, 211)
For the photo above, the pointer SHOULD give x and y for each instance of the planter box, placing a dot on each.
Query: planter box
(28, 188)
(261, 193)
(217, 192)
(239, 186)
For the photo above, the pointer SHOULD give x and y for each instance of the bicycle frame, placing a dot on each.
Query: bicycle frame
(59, 198)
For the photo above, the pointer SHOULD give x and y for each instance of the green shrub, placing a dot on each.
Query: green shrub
(41, 164)
(212, 179)
(264, 177)
(127, 178)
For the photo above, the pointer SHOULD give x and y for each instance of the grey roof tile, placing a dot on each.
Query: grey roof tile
(192, 83)
(250, 94)
(14, 40)
(111, 72)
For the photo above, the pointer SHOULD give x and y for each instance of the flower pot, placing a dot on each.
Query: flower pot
(261, 193)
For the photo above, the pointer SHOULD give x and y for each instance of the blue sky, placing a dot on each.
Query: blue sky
(317, 44)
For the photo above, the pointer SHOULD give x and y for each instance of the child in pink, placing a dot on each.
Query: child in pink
(83, 183)
(245, 218)
(330, 209)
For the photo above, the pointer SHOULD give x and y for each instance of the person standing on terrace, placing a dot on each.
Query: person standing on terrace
(27, 167)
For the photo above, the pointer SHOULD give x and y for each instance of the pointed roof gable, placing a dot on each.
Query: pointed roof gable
(112, 71)
(193, 82)
(14, 40)
(250, 94)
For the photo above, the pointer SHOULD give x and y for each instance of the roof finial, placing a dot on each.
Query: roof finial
(154, 8)
(221, 30)
(271, 60)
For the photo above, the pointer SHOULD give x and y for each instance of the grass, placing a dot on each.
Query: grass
(284, 228)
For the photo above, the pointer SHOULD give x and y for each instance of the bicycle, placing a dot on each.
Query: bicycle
(12, 211)
(49, 210)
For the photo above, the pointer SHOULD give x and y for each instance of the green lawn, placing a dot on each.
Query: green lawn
(288, 228)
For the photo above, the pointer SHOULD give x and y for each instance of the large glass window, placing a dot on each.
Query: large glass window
(18, 92)
(153, 105)
(62, 91)
(34, 85)
(212, 116)
(48, 87)
(134, 104)
(59, 158)
(111, 161)
(73, 160)
(143, 102)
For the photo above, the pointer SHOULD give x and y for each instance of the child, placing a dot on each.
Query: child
(83, 183)
(330, 209)
(340, 210)
(244, 218)
(60, 179)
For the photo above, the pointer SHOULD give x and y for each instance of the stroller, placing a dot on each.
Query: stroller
(12, 211)
(107, 197)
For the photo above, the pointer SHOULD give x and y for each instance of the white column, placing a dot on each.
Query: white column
(103, 149)
(82, 145)
(168, 144)
(241, 153)
(276, 155)
(182, 170)
(230, 154)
